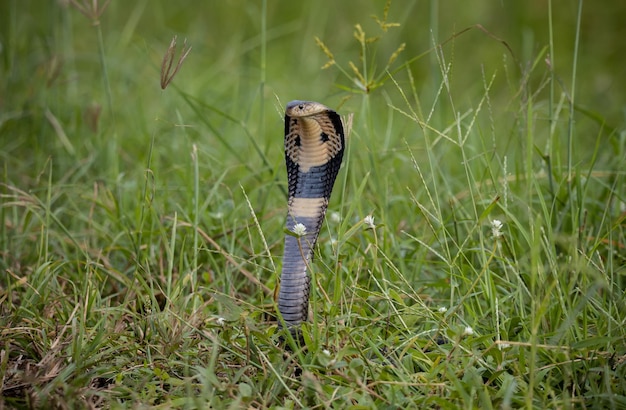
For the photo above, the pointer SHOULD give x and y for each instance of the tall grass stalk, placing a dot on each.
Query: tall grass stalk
(195, 268)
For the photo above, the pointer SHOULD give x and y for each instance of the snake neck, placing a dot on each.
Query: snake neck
(310, 129)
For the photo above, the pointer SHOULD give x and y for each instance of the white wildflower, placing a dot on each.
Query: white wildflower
(496, 228)
(299, 229)
(442, 309)
(220, 321)
(327, 358)
(369, 221)
(468, 331)
(335, 217)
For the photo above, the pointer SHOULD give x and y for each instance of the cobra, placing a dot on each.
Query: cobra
(314, 146)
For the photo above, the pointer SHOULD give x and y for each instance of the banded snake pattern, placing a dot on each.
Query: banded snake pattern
(314, 147)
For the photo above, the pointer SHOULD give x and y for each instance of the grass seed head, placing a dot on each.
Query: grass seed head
(167, 73)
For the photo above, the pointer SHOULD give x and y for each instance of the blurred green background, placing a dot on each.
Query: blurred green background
(50, 60)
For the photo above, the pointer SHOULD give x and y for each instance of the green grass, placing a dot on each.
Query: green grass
(142, 229)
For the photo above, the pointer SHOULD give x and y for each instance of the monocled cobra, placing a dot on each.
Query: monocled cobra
(314, 145)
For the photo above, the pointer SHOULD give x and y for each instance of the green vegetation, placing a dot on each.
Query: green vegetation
(142, 228)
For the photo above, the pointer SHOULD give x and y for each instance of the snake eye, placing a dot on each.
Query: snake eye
(301, 106)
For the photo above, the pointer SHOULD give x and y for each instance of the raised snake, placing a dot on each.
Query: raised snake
(314, 146)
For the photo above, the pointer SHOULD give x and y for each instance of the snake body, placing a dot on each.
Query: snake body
(314, 146)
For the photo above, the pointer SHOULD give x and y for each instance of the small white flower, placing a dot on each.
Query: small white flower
(299, 229)
(442, 309)
(369, 221)
(468, 331)
(326, 352)
(335, 217)
(496, 228)
(220, 321)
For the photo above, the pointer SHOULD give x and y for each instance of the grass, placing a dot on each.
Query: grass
(142, 229)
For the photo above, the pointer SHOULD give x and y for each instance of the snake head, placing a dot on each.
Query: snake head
(300, 108)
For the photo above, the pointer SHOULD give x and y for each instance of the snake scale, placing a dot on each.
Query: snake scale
(314, 146)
